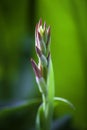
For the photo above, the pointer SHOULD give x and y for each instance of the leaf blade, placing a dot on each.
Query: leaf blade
(65, 101)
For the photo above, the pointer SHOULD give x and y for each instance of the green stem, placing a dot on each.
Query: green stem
(46, 121)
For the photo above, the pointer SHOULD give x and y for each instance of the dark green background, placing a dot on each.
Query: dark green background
(68, 21)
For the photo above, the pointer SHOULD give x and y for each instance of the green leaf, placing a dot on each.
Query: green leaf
(46, 116)
(65, 101)
(19, 117)
(40, 119)
(38, 125)
(50, 87)
(50, 82)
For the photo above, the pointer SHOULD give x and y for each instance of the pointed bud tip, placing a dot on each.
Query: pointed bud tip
(39, 36)
(48, 36)
(36, 69)
(31, 60)
(48, 30)
(38, 51)
(36, 29)
(40, 22)
(44, 25)
(33, 63)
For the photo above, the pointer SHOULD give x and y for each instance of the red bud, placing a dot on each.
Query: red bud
(38, 51)
(40, 22)
(36, 69)
(39, 36)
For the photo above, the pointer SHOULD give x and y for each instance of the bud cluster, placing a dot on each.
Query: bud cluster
(45, 77)
(42, 47)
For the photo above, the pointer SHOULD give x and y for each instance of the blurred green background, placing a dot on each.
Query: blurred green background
(68, 21)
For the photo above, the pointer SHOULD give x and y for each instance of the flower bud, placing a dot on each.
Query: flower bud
(44, 25)
(45, 33)
(42, 46)
(43, 60)
(48, 39)
(37, 43)
(42, 57)
(42, 85)
(40, 22)
(38, 51)
(36, 69)
(41, 43)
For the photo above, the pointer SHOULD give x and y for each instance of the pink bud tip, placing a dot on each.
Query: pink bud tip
(38, 51)
(39, 36)
(48, 31)
(36, 69)
(40, 22)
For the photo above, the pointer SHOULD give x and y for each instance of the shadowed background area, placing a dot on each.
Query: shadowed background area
(68, 21)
